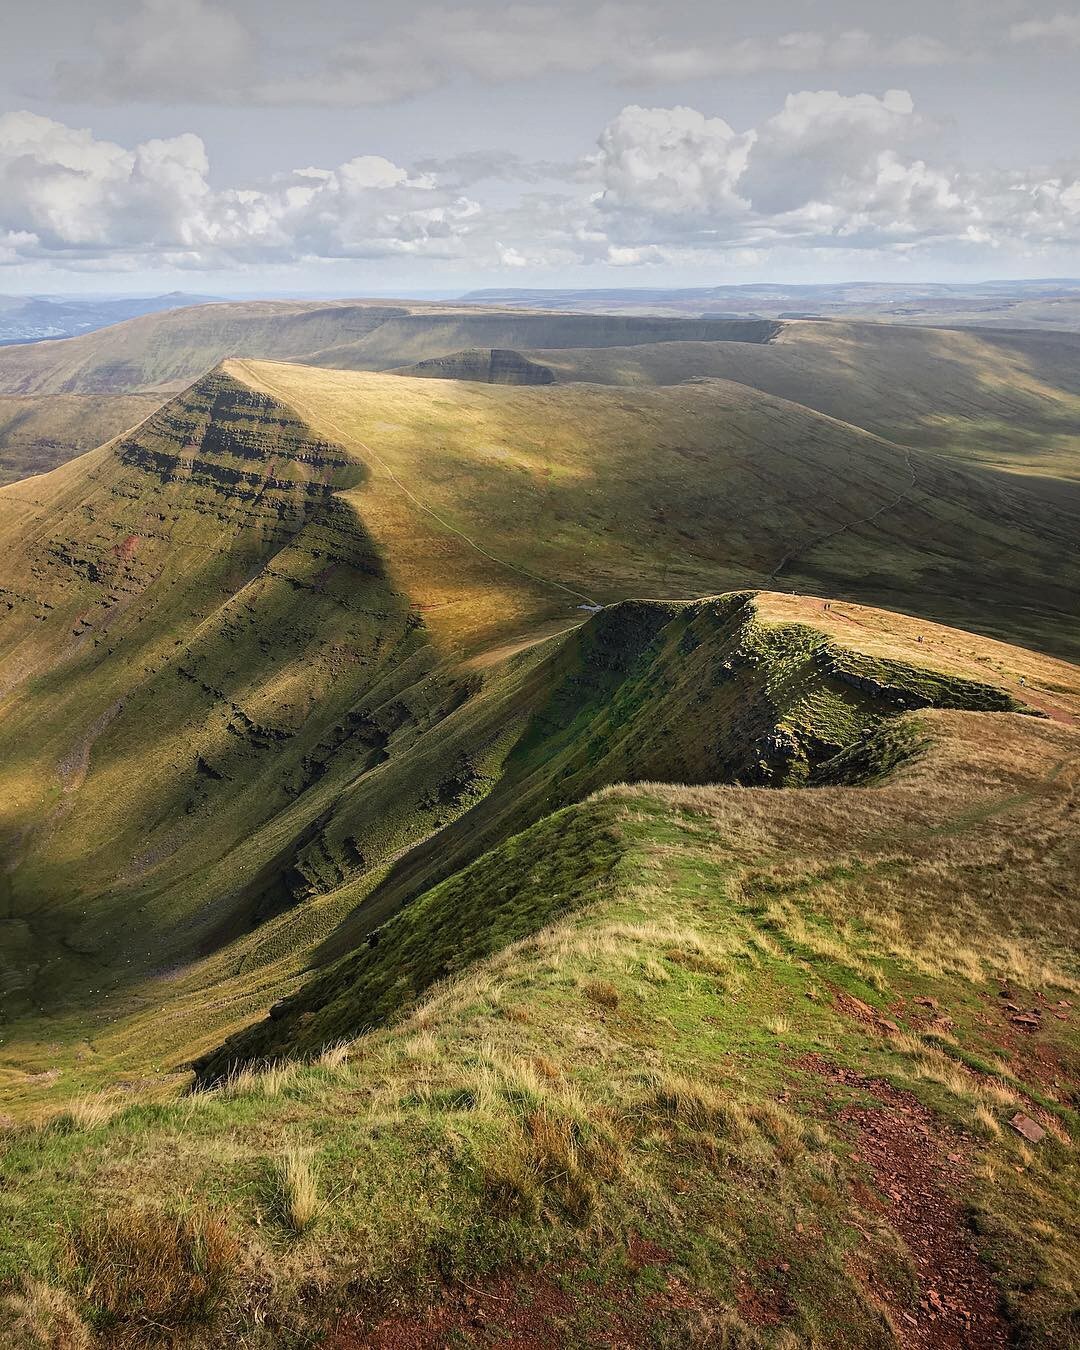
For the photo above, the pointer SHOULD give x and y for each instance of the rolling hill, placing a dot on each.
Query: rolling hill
(1047, 304)
(45, 317)
(167, 350)
(39, 433)
(317, 690)
(247, 618)
(1009, 400)
(681, 1026)
(1004, 399)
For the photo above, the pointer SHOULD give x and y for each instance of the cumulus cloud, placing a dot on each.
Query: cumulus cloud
(825, 171)
(65, 194)
(199, 51)
(823, 145)
(671, 170)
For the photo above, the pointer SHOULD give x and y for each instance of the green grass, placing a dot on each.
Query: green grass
(634, 1068)
(1006, 400)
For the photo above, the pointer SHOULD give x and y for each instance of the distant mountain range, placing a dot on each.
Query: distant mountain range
(37, 318)
(1047, 303)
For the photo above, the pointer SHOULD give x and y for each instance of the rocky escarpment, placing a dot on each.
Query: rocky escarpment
(496, 365)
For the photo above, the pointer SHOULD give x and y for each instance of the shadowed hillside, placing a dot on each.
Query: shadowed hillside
(707, 487)
(1004, 399)
(488, 367)
(40, 433)
(165, 351)
(643, 1041)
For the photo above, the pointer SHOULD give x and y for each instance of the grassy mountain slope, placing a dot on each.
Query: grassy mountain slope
(221, 611)
(488, 366)
(40, 433)
(702, 488)
(168, 350)
(742, 1074)
(1010, 400)
(97, 374)
(1006, 399)
(197, 608)
(418, 337)
(300, 713)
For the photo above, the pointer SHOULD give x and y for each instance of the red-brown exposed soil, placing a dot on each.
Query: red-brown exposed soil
(917, 1168)
(522, 1310)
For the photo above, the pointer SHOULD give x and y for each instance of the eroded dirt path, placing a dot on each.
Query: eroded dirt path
(918, 1169)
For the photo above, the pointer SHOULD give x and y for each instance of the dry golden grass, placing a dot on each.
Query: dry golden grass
(697, 1104)
(38, 1316)
(601, 992)
(555, 1160)
(296, 1189)
(267, 1081)
(336, 1056)
(963, 863)
(1049, 683)
(151, 1273)
(87, 1112)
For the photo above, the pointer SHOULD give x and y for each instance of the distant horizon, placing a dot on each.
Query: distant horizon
(226, 296)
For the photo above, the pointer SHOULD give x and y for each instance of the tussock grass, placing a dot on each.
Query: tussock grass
(269, 1080)
(554, 1161)
(696, 1104)
(601, 992)
(87, 1112)
(296, 1189)
(150, 1272)
(336, 1055)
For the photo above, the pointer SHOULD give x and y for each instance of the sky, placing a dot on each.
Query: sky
(340, 147)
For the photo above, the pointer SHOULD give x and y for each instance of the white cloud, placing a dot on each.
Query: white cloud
(672, 163)
(169, 50)
(827, 171)
(1058, 28)
(65, 194)
(824, 144)
(198, 51)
